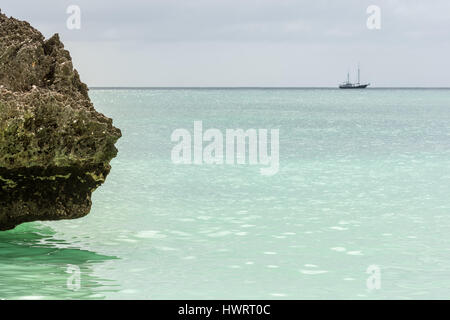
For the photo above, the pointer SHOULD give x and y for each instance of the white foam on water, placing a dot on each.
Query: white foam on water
(150, 234)
(338, 249)
(313, 272)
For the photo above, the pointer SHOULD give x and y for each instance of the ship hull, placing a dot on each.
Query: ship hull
(359, 86)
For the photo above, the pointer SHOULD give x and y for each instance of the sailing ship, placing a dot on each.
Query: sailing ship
(349, 85)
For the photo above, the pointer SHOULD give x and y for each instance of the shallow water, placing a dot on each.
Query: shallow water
(364, 180)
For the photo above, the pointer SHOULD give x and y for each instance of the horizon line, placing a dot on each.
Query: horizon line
(244, 87)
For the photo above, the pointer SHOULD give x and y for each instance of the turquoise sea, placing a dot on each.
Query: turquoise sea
(364, 181)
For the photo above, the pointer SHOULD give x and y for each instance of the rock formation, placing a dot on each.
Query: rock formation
(55, 148)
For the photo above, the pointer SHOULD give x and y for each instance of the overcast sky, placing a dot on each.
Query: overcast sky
(249, 42)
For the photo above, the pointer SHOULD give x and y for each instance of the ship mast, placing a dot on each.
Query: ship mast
(358, 74)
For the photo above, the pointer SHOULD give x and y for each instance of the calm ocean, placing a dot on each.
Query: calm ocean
(364, 182)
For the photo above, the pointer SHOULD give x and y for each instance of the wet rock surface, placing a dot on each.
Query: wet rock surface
(55, 148)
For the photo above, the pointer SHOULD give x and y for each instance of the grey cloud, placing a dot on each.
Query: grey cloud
(248, 42)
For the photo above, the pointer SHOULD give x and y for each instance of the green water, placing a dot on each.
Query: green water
(364, 180)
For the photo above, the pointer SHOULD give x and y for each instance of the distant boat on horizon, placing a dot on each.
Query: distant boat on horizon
(349, 85)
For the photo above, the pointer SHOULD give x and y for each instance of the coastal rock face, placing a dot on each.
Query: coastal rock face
(55, 148)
